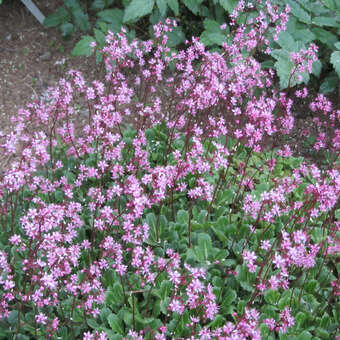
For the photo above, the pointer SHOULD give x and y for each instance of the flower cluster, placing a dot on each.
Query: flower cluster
(91, 208)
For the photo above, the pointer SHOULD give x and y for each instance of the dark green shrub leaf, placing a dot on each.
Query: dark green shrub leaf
(114, 17)
(175, 37)
(193, 5)
(83, 48)
(81, 19)
(330, 4)
(67, 29)
(98, 5)
(100, 37)
(324, 36)
(326, 21)
(212, 35)
(304, 35)
(317, 67)
(60, 16)
(335, 61)
(228, 5)
(330, 83)
(173, 4)
(299, 12)
(137, 9)
(71, 4)
(286, 41)
(162, 5)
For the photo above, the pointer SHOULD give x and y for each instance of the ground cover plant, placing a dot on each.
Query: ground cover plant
(169, 215)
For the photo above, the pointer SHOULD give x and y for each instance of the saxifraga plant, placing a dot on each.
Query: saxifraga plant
(168, 215)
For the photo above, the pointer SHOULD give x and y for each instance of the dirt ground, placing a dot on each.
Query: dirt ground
(33, 58)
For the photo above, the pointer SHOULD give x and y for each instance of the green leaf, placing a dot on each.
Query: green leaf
(162, 6)
(286, 41)
(193, 5)
(299, 12)
(271, 296)
(175, 37)
(220, 235)
(228, 5)
(115, 323)
(60, 16)
(283, 68)
(326, 21)
(114, 17)
(230, 230)
(137, 9)
(182, 217)
(13, 317)
(92, 323)
(98, 5)
(329, 4)
(204, 246)
(82, 47)
(304, 35)
(100, 37)
(325, 36)
(173, 4)
(81, 19)
(71, 4)
(317, 67)
(67, 29)
(304, 336)
(335, 61)
(212, 35)
(229, 297)
(330, 83)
